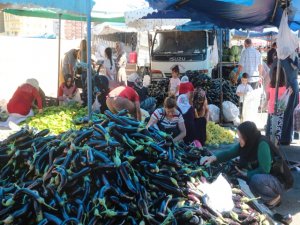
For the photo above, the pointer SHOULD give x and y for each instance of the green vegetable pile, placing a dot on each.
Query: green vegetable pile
(232, 54)
(57, 118)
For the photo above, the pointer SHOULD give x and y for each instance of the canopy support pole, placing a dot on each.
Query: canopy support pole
(89, 69)
(220, 76)
(59, 45)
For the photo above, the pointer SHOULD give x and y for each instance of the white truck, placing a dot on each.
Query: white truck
(190, 50)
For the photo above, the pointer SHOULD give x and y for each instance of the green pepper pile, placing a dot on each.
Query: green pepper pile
(57, 118)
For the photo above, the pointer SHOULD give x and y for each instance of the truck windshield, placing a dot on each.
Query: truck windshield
(179, 42)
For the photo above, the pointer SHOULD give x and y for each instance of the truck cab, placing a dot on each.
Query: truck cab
(190, 50)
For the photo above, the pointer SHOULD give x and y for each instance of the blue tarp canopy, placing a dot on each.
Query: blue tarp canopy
(228, 13)
(269, 36)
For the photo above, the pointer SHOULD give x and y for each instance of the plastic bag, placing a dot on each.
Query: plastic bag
(230, 111)
(96, 105)
(214, 113)
(297, 118)
(219, 194)
(283, 101)
(287, 42)
(250, 106)
(214, 54)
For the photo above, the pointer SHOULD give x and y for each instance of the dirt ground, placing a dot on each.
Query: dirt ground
(23, 58)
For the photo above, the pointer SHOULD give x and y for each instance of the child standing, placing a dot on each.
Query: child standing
(242, 90)
(174, 81)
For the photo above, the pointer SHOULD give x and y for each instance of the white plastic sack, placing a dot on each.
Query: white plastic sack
(96, 105)
(214, 54)
(230, 111)
(287, 42)
(251, 104)
(297, 118)
(219, 194)
(214, 113)
(144, 114)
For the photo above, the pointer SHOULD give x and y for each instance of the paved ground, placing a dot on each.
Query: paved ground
(291, 199)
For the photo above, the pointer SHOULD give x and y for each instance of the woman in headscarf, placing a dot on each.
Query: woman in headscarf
(201, 114)
(255, 163)
(67, 91)
(186, 87)
(189, 119)
(20, 105)
(121, 63)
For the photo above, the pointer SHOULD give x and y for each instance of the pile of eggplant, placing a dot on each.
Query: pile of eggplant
(111, 171)
(213, 88)
(159, 90)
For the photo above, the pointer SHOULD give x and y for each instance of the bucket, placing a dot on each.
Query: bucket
(132, 57)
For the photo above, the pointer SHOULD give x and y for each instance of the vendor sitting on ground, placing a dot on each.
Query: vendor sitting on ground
(255, 162)
(20, 105)
(67, 91)
(147, 103)
(124, 98)
(169, 119)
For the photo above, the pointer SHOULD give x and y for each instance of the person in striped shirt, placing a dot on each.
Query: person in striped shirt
(169, 119)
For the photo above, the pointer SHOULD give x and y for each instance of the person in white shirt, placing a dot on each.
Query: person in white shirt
(174, 81)
(250, 63)
(109, 65)
(242, 90)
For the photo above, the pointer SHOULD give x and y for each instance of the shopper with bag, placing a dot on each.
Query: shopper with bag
(250, 63)
(260, 164)
(290, 66)
(275, 120)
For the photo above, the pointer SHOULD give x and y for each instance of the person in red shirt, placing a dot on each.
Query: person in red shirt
(19, 106)
(124, 97)
(186, 87)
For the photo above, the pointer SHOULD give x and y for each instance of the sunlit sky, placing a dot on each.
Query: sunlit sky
(118, 6)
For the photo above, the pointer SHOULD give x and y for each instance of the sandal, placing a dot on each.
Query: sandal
(285, 219)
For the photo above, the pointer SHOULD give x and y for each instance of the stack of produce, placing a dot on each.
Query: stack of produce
(218, 135)
(159, 90)
(232, 54)
(113, 171)
(56, 118)
(213, 88)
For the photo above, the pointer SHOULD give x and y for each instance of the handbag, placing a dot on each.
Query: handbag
(283, 101)
(279, 168)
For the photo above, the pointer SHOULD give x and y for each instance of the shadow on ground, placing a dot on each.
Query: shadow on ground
(291, 199)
